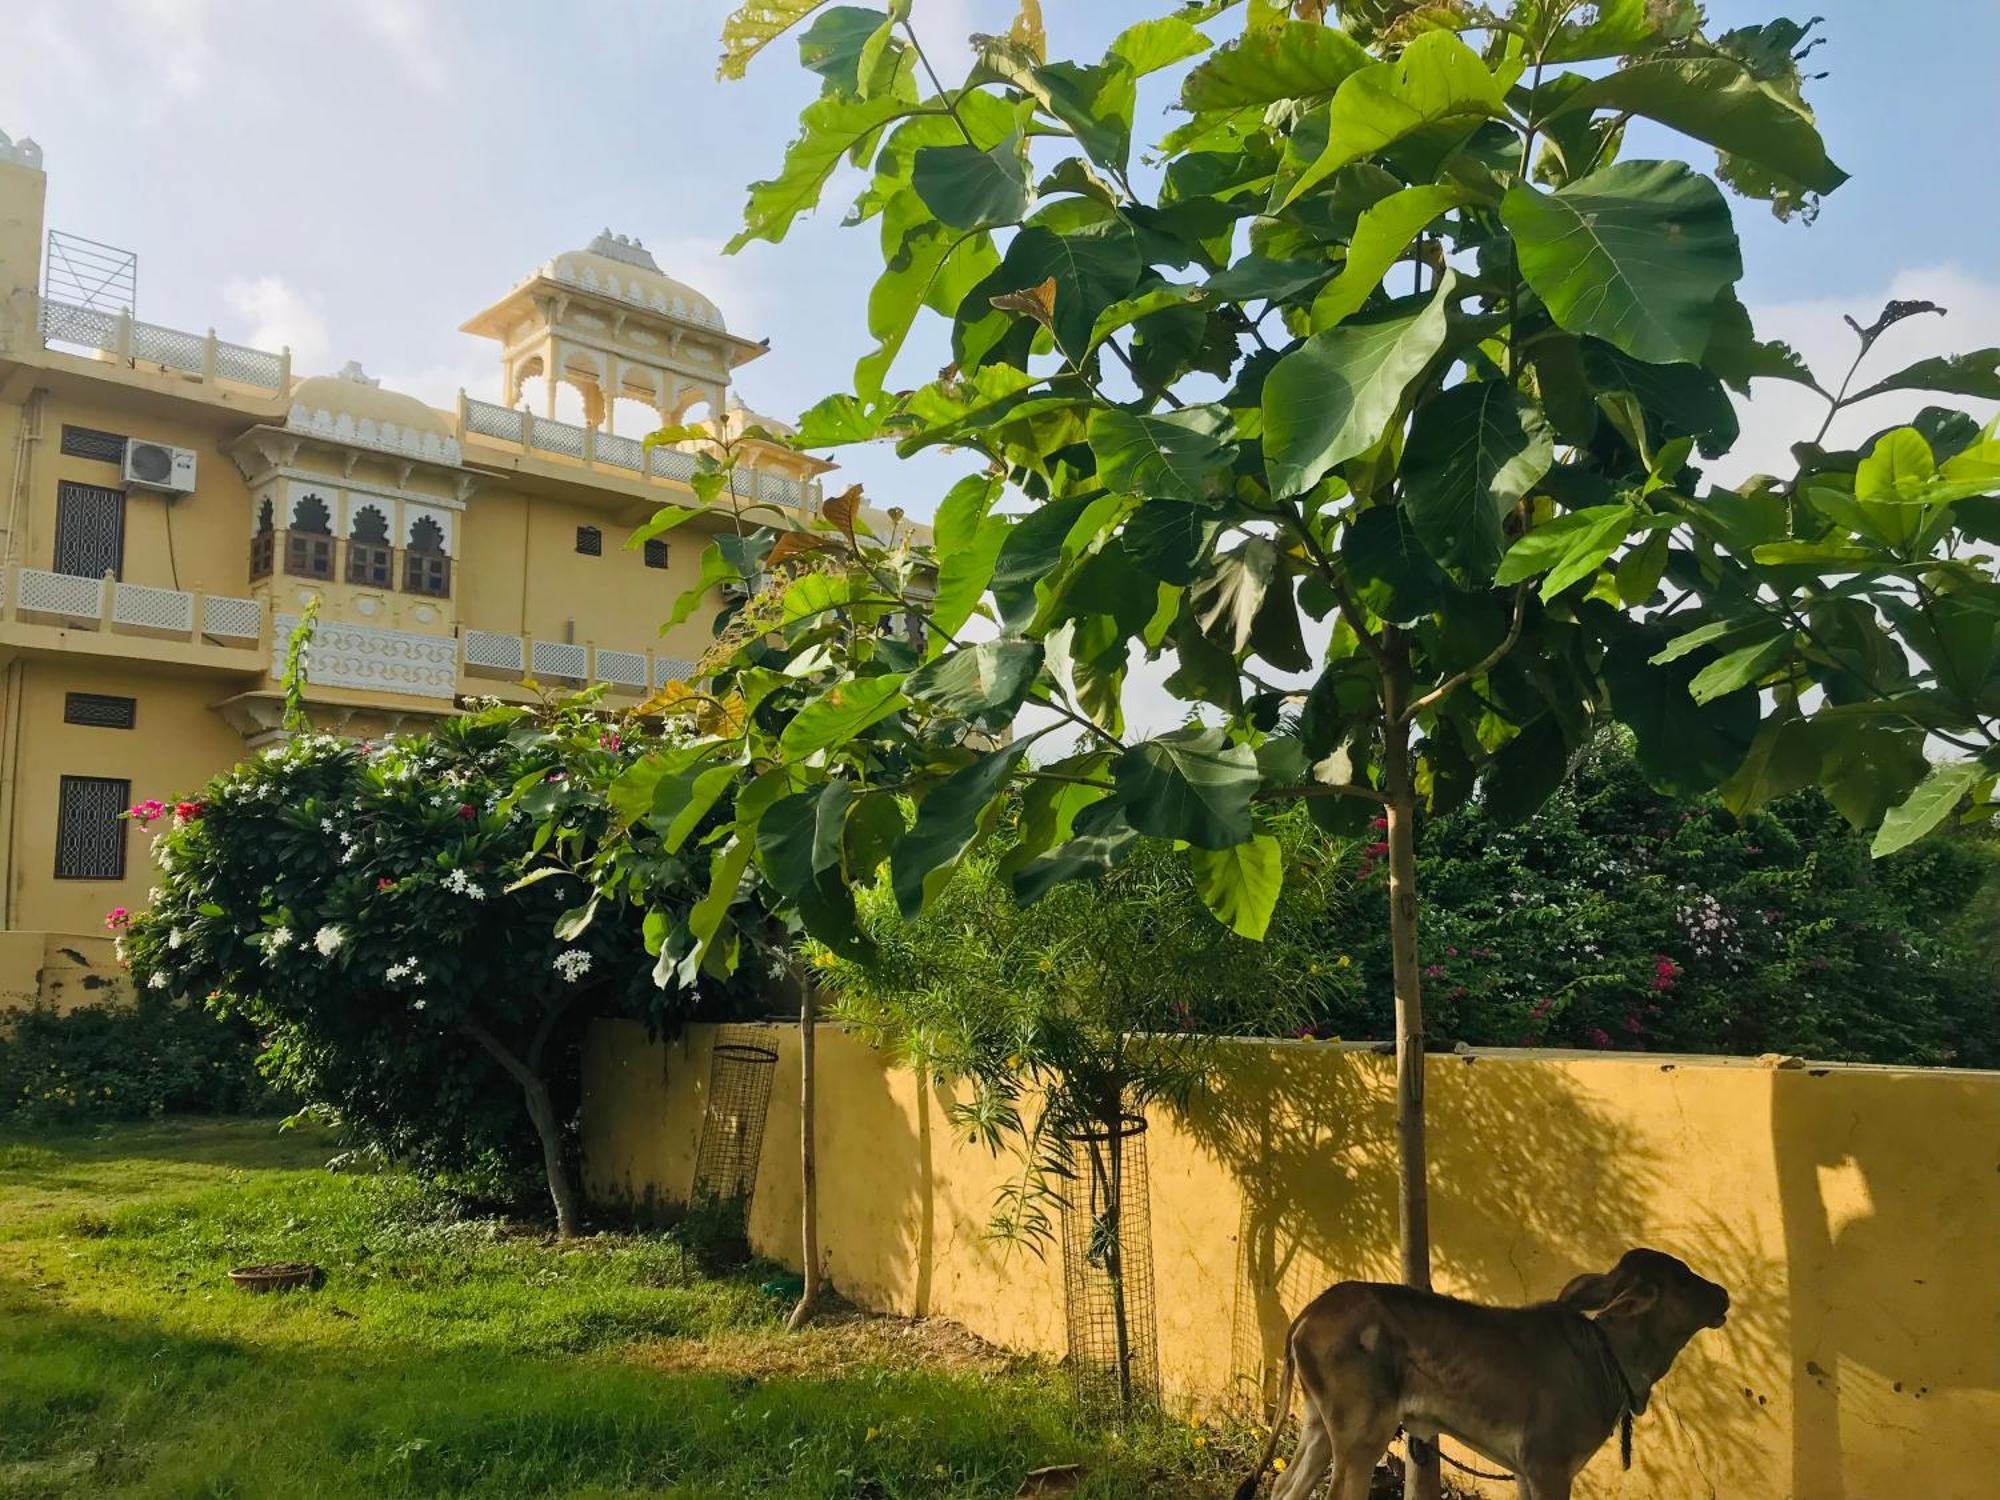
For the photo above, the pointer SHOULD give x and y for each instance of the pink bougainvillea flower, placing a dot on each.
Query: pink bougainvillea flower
(610, 740)
(1378, 849)
(148, 811)
(117, 918)
(467, 811)
(1431, 971)
(1599, 1037)
(1379, 823)
(385, 884)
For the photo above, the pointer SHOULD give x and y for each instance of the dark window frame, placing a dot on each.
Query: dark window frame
(657, 555)
(100, 710)
(309, 554)
(371, 564)
(427, 573)
(589, 541)
(117, 849)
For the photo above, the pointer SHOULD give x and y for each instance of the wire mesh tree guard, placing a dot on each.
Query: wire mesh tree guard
(1108, 1269)
(732, 1125)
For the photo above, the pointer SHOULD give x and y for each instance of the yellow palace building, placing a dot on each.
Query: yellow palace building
(171, 501)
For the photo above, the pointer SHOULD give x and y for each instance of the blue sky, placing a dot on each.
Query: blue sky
(356, 177)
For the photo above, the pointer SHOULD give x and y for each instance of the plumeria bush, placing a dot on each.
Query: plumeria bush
(395, 918)
(1621, 918)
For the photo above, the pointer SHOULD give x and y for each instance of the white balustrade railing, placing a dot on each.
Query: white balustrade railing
(124, 337)
(613, 451)
(484, 653)
(110, 603)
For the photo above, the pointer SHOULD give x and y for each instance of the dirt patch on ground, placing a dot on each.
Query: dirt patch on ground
(839, 1342)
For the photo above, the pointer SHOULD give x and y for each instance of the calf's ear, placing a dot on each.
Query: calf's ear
(1623, 1290)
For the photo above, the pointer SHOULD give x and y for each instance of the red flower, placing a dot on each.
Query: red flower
(385, 884)
(1541, 1007)
(1431, 971)
(187, 812)
(610, 740)
(1378, 849)
(1599, 1037)
(1379, 823)
(467, 811)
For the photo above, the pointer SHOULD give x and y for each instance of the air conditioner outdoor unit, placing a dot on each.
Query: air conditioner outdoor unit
(155, 466)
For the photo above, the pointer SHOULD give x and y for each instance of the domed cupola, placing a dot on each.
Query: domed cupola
(608, 321)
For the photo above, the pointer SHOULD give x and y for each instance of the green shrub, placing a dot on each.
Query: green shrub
(1620, 918)
(127, 1059)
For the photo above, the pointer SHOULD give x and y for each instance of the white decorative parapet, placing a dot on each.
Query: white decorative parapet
(610, 450)
(23, 153)
(100, 603)
(343, 427)
(369, 657)
(485, 653)
(123, 337)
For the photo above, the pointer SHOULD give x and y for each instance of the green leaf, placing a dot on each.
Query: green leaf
(1619, 28)
(1172, 456)
(716, 569)
(1102, 839)
(1241, 884)
(1030, 550)
(1227, 600)
(799, 848)
(1192, 784)
(949, 820)
(1721, 102)
(1294, 61)
(1092, 268)
(1525, 772)
(1899, 467)
(1437, 78)
(1926, 807)
(988, 679)
(1159, 42)
(1744, 667)
(829, 128)
(840, 713)
(754, 25)
(664, 520)
(1335, 396)
(683, 800)
(1167, 538)
(972, 189)
(725, 874)
(1473, 453)
(1976, 375)
(1683, 746)
(1389, 567)
(1570, 547)
(925, 263)
(832, 45)
(1381, 236)
(1636, 254)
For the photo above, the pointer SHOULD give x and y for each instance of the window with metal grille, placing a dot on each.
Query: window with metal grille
(262, 548)
(100, 710)
(90, 828)
(90, 530)
(656, 553)
(427, 573)
(590, 541)
(88, 442)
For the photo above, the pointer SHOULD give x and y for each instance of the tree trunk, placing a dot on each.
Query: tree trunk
(1421, 1475)
(808, 1160)
(541, 1112)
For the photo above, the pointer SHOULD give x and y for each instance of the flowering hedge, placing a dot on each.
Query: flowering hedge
(365, 906)
(1620, 918)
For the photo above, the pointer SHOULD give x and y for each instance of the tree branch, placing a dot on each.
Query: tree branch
(1321, 789)
(1486, 664)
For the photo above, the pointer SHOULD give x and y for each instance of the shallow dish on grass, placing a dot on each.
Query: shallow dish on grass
(283, 1276)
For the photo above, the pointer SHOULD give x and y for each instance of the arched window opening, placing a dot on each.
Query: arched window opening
(309, 542)
(371, 561)
(426, 567)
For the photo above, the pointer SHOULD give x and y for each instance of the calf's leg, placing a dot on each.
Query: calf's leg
(1308, 1459)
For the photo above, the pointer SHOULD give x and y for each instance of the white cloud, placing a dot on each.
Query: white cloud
(408, 31)
(476, 372)
(174, 34)
(1781, 414)
(273, 315)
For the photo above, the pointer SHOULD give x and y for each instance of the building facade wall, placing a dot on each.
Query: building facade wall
(1851, 1212)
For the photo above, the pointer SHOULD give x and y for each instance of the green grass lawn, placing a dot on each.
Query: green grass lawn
(455, 1355)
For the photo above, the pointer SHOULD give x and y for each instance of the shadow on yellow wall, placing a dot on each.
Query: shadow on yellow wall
(1851, 1212)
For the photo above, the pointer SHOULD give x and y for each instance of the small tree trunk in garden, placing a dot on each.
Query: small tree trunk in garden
(1421, 1479)
(541, 1112)
(808, 1160)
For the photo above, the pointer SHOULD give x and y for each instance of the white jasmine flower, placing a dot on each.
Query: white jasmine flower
(572, 964)
(175, 938)
(279, 937)
(328, 939)
(326, 825)
(157, 982)
(417, 1004)
(462, 884)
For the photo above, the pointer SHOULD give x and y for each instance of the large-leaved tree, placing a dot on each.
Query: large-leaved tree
(1373, 404)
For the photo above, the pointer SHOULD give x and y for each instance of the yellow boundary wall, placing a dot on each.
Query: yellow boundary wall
(1854, 1214)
